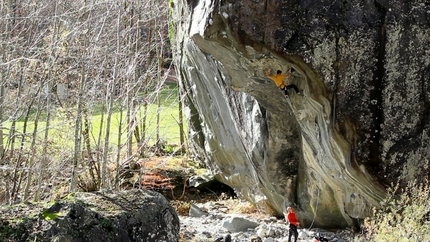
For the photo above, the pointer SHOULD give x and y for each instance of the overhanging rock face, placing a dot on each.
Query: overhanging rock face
(329, 153)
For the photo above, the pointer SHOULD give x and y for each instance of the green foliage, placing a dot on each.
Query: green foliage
(106, 223)
(404, 217)
(168, 149)
(15, 232)
(5, 230)
(50, 216)
(52, 212)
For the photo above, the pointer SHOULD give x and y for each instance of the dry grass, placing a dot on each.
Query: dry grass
(403, 217)
(181, 207)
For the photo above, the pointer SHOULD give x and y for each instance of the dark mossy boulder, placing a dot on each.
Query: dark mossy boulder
(132, 215)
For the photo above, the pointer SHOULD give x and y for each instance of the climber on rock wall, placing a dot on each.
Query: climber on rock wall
(279, 81)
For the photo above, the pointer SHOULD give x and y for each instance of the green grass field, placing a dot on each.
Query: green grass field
(62, 125)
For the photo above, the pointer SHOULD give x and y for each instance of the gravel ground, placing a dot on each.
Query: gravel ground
(221, 220)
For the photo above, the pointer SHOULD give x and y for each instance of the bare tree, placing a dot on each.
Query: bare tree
(5, 10)
(110, 98)
(110, 58)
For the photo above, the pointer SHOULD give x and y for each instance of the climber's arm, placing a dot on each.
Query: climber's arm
(287, 75)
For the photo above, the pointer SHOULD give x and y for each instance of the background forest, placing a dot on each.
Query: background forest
(86, 89)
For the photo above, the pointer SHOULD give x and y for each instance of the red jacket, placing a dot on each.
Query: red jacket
(292, 218)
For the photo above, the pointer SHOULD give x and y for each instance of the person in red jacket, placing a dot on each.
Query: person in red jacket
(294, 224)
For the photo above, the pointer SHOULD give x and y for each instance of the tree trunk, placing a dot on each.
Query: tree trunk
(1, 113)
(118, 153)
(12, 138)
(146, 84)
(21, 149)
(181, 122)
(45, 143)
(5, 30)
(78, 131)
(110, 101)
(109, 97)
(48, 86)
(33, 144)
(93, 167)
(159, 49)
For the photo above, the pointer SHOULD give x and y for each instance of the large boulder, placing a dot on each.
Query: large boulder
(363, 121)
(132, 215)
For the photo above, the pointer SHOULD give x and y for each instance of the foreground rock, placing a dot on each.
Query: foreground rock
(362, 123)
(132, 215)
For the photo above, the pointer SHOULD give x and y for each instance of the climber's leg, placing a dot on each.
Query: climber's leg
(294, 87)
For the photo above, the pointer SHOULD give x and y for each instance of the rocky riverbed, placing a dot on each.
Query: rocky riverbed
(228, 220)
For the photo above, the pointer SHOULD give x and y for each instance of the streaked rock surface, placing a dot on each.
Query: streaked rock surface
(362, 123)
